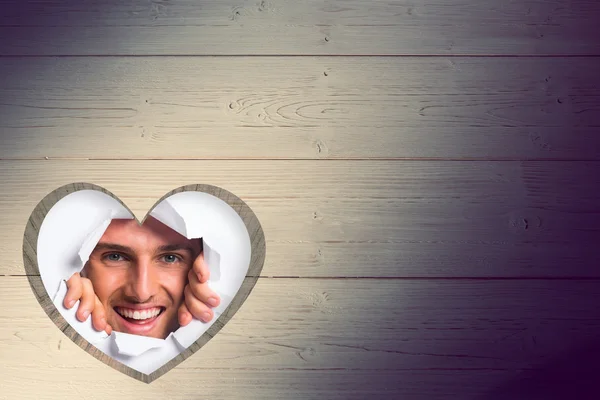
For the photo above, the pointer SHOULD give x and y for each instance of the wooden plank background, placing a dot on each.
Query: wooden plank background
(283, 27)
(427, 177)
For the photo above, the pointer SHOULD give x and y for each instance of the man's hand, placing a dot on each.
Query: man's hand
(198, 296)
(79, 288)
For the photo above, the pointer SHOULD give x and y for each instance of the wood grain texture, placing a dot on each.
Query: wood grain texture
(363, 219)
(481, 27)
(300, 108)
(30, 245)
(320, 338)
(398, 267)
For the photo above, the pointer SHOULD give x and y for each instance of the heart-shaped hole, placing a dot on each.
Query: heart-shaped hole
(81, 227)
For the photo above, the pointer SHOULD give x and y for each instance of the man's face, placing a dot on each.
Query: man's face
(139, 273)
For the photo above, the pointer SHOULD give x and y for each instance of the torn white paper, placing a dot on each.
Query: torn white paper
(75, 224)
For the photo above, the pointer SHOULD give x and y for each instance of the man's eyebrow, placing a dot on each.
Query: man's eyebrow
(176, 247)
(113, 246)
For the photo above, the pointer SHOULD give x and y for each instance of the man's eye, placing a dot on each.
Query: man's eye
(171, 258)
(114, 257)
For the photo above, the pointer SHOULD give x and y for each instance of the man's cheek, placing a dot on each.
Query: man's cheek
(175, 285)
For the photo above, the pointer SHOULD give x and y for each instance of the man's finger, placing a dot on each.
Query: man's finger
(184, 315)
(106, 327)
(202, 291)
(201, 269)
(74, 290)
(197, 308)
(86, 306)
(98, 315)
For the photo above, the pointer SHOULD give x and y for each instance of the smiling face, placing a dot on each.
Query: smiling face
(139, 274)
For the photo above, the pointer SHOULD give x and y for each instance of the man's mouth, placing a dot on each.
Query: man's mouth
(139, 316)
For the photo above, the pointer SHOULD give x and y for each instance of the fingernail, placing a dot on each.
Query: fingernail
(206, 317)
(71, 303)
(212, 301)
(85, 314)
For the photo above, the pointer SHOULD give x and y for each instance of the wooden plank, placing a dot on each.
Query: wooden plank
(479, 27)
(362, 219)
(29, 384)
(433, 330)
(315, 108)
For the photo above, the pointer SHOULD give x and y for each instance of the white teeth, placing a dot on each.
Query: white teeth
(136, 314)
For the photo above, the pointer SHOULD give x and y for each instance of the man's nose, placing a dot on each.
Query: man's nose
(144, 280)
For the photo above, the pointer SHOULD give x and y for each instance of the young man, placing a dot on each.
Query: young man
(144, 280)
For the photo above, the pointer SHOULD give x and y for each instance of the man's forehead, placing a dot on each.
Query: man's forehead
(151, 231)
